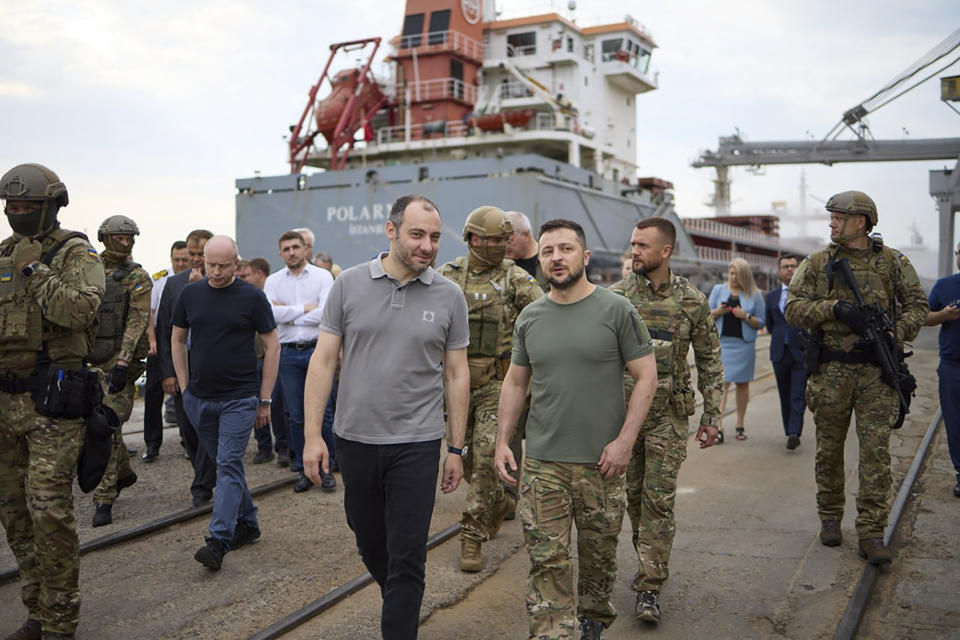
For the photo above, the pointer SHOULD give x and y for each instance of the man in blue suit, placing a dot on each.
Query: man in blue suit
(786, 355)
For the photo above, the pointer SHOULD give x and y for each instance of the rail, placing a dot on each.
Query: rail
(731, 232)
(458, 129)
(713, 254)
(441, 41)
(435, 89)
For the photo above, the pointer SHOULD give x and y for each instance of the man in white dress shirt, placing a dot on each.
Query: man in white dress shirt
(298, 293)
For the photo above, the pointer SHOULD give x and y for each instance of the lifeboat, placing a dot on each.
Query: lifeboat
(330, 109)
(496, 121)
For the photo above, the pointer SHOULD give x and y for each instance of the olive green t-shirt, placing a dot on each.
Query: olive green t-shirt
(577, 353)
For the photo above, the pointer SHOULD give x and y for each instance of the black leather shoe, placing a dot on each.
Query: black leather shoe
(199, 502)
(793, 441)
(150, 455)
(303, 483)
(956, 488)
(29, 630)
(264, 455)
(283, 457)
(327, 481)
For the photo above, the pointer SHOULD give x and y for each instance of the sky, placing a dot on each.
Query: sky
(152, 109)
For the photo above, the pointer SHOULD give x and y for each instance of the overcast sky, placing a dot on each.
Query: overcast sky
(152, 109)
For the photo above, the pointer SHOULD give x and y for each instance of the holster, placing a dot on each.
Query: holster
(67, 393)
(811, 347)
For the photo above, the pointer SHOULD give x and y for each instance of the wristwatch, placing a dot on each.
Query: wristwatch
(266, 402)
(458, 452)
(29, 269)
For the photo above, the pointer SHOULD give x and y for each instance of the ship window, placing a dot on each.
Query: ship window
(439, 23)
(456, 79)
(643, 61)
(588, 51)
(610, 48)
(522, 44)
(412, 28)
(569, 44)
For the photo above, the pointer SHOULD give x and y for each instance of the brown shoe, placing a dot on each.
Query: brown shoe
(507, 507)
(830, 534)
(29, 630)
(875, 552)
(471, 560)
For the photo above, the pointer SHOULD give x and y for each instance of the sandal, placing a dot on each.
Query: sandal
(719, 439)
(740, 434)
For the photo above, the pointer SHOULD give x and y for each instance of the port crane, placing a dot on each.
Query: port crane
(863, 147)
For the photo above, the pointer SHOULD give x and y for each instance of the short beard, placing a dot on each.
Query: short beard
(406, 260)
(567, 282)
(647, 268)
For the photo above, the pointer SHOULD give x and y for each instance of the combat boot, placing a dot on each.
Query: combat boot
(211, 554)
(103, 516)
(471, 560)
(830, 534)
(875, 552)
(591, 629)
(648, 606)
(506, 507)
(29, 630)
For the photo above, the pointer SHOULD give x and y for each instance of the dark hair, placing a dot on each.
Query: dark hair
(199, 234)
(789, 256)
(260, 264)
(560, 223)
(401, 204)
(292, 235)
(662, 225)
(176, 246)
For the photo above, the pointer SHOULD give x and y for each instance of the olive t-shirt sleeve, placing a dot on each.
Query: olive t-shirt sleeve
(633, 336)
(519, 356)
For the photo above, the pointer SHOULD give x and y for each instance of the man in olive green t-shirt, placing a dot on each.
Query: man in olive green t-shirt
(571, 348)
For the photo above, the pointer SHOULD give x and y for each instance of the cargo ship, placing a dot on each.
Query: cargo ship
(534, 113)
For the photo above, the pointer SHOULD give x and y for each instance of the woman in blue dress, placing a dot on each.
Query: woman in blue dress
(738, 308)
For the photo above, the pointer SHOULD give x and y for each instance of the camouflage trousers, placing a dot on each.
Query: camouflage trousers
(119, 464)
(38, 461)
(485, 493)
(652, 492)
(833, 393)
(554, 495)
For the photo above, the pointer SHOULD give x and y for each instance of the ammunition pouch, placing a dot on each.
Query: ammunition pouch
(485, 370)
(683, 402)
(102, 427)
(811, 347)
(907, 384)
(66, 393)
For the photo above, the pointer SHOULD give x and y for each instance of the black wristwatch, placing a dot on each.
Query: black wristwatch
(458, 452)
(29, 269)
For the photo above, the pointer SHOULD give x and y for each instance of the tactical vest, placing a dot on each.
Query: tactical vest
(112, 315)
(486, 310)
(25, 335)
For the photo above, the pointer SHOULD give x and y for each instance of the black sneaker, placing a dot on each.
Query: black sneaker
(103, 516)
(211, 554)
(648, 606)
(591, 629)
(283, 457)
(327, 481)
(264, 455)
(243, 534)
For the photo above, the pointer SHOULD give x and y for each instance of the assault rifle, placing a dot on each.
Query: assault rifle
(876, 338)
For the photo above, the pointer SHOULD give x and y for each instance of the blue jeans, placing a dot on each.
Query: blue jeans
(278, 421)
(224, 428)
(293, 375)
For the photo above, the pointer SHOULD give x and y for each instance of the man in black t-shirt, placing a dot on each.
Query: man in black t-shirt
(223, 394)
(523, 248)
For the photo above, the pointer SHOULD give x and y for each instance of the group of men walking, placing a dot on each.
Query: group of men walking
(594, 379)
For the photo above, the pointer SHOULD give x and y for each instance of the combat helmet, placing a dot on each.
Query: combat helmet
(487, 222)
(34, 183)
(854, 202)
(115, 226)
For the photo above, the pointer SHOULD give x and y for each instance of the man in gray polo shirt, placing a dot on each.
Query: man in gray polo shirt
(404, 332)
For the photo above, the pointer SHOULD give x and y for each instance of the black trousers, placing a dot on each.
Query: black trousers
(388, 498)
(153, 405)
(204, 468)
(791, 378)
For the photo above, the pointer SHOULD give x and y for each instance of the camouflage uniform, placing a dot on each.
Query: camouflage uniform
(554, 495)
(134, 315)
(677, 315)
(55, 307)
(495, 297)
(839, 388)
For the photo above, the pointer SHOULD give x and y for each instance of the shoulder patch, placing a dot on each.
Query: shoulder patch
(160, 274)
(531, 279)
(91, 251)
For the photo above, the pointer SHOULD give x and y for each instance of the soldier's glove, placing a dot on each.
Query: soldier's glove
(117, 378)
(26, 252)
(851, 316)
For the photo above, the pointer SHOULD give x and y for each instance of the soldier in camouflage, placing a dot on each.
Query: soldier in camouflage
(119, 348)
(677, 316)
(845, 378)
(496, 291)
(51, 284)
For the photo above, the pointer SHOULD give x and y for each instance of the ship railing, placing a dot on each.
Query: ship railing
(435, 89)
(423, 131)
(514, 89)
(725, 256)
(435, 41)
(729, 231)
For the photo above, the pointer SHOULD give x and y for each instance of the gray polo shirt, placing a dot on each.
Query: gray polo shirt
(394, 338)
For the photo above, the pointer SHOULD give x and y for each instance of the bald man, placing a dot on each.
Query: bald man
(223, 393)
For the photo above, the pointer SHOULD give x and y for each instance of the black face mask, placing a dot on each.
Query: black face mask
(26, 224)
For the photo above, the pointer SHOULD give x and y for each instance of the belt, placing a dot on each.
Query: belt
(306, 344)
(853, 357)
(12, 384)
(660, 334)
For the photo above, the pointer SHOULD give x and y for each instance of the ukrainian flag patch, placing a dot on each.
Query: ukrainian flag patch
(6, 277)
(139, 287)
(91, 252)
